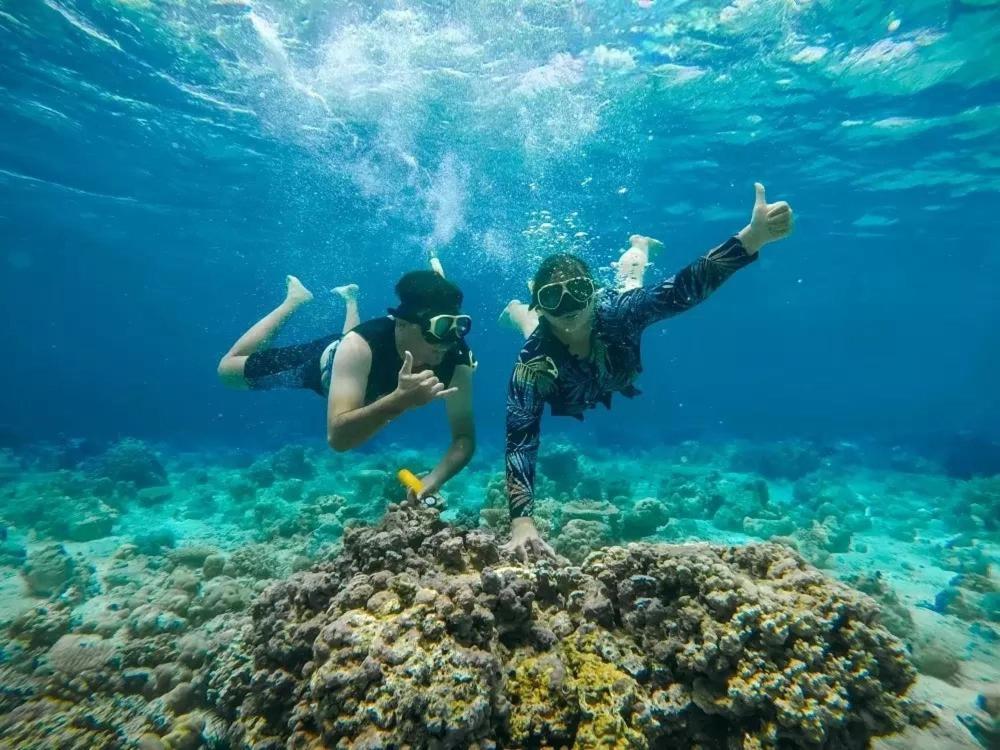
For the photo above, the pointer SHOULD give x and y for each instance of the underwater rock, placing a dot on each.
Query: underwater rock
(218, 596)
(73, 654)
(560, 464)
(985, 725)
(95, 521)
(979, 507)
(691, 493)
(40, 627)
(971, 558)
(406, 637)
(951, 601)
(260, 473)
(742, 498)
(156, 495)
(255, 561)
(936, 661)
(12, 551)
(49, 570)
(130, 461)
(895, 615)
(592, 510)
(291, 462)
(823, 493)
(213, 566)
(494, 513)
(777, 460)
(766, 528)
(820, 540)
(154, 542)
(644, 518)
(579, 537)
(191, 555)
(981, 584)
(373, 486)
(241, 490)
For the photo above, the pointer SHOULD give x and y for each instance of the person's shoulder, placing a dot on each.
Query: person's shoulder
(374, 327)
(531, 348)
(354, 346)
(535, 364)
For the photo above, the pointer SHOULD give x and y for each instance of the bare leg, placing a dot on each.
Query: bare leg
(518, 315)
(232, 364)
(630, 269)
(349, 293)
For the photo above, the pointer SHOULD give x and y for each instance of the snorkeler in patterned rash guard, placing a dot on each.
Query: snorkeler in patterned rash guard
(586, 346)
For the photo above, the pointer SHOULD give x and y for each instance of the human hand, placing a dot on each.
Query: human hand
(418, 388)
(427, 493)
(768, 222)
(525, 541)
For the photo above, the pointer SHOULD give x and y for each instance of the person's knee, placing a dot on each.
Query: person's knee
(230, 371)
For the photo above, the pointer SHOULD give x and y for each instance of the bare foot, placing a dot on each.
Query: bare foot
(648, 245)
(296, 294)
(518, 316)
(347, 292)
(506, 315)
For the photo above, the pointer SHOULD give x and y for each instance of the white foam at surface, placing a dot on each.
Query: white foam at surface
(609, 57)
(82, 24)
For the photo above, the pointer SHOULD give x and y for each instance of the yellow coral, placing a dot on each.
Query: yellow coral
(186, 733)
(593, 690)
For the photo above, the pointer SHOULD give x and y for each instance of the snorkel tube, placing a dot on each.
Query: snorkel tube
(412, 482)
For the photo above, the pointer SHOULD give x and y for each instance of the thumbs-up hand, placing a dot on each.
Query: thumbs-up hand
(768, 222)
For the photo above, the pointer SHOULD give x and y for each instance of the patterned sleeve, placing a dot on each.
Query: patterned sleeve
(529, 383)
(685, 289)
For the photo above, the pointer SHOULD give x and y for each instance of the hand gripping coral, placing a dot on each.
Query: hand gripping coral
(412, 482)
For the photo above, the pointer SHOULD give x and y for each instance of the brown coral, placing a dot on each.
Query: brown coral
(73, 654)
(409, 637)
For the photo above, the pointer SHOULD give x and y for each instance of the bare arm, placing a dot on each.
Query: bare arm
(349, 423)
(463, 432)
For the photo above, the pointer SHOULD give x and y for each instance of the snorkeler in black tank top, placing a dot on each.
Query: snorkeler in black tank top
(377, 370)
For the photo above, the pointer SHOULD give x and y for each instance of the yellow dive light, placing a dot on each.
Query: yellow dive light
(412, 482)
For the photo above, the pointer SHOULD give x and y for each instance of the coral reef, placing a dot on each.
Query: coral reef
(985, 725)
(782, 460)
(936, 661)
(132, 461)
(895, 616)
(420, 633)
(131, 630)
(560, 464)
(48, 570)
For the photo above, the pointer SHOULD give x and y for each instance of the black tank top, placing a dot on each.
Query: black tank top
(380, 334)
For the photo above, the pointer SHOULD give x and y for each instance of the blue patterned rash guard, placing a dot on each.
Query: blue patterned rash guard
(546, 372)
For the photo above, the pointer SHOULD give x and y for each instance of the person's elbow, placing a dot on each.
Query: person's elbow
(468, 445)
(337, 440)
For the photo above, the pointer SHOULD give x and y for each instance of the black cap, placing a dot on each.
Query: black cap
(424, 293)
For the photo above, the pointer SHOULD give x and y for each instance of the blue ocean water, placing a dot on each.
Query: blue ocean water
(163, 166)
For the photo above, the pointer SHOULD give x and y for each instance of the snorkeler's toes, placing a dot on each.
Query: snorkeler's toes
(296, 292)
(346, 292)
